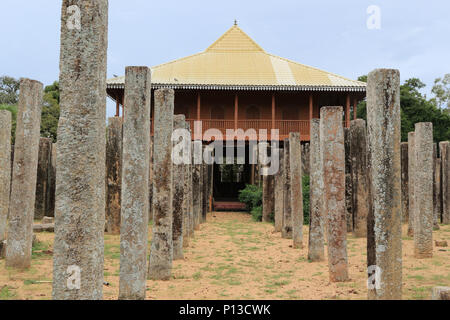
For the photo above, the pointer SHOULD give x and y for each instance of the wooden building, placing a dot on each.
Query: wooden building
(235, 84)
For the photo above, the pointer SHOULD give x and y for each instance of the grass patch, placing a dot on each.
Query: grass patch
(197, 276)
(112, 251)
(6, 293)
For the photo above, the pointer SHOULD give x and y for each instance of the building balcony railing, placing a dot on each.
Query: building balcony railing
(284, 127)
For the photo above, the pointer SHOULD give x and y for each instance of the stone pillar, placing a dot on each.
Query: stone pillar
(178, 197)
(52, 183)
(348, 181)
(423, 204)
(196, 183)
(23, 189)
(333, 162)
(371, 243)
(161, 253)
(42, 179)
(383, 106)
(445, 180)
(205, 191)
(268, 197)
(113, 175)
(150, 181)
(316, 230)
(436, 189)
(135, 171)
(5, 169)
(295, 165)
(81, 165)
(440, 293)
(405, 181)
(187, 197)
(286, 231)
(306, 159)
(411, 182)
(279, 184)
(360, 181)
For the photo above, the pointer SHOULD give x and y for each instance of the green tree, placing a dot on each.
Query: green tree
(441, 91)
(50, 112)
(50, 109)
(9, 90)
(416, 108)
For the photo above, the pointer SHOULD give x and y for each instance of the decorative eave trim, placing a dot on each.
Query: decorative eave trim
(247, 87)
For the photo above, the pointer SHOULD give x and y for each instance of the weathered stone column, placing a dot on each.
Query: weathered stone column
(42, 179)
(405, 181)
(279, 185)
(81, 165)
(306, 159)
(436, 189)
(348, 181)
(187, 197)
(135, 171)
(440, 293)
(52, 183)
(423, 204)
(333, 162)
(316, 230)
(286, 231)
(5, 169)
(295, 158)
(372, 271)
(23, 188)
(178, 197)
(197, 183)
(113, 175)
(360, 181)
(205, 191)
(268, 203)
(161, 254)
(445, 180)
(411, 182)
(150, 180)
(383, 116)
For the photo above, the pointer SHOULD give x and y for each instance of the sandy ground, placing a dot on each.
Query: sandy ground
(233, 257)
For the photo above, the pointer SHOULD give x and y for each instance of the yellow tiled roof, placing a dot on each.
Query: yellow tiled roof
(235, 61)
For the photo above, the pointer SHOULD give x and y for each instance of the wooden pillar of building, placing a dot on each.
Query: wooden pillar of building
(199, 100)
(347, 112)
(236, 111)
(117, 106)
(123, 107)
(311, 110)
(273, 110)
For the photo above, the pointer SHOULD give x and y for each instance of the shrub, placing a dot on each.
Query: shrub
(257, 213)
(251, 196)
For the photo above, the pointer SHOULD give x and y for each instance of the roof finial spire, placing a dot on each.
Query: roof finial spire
(235, 22)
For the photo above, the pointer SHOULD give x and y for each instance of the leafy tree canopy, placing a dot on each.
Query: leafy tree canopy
(9, 96)
(9, 88)
(415, 107)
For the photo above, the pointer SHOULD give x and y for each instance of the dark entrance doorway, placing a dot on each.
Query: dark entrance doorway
(229, 179)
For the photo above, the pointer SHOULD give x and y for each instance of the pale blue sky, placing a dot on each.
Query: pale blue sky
(327, 34)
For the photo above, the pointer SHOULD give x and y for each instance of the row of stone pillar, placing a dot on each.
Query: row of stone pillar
(81, 171)
(367, 163)
(180, 194)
